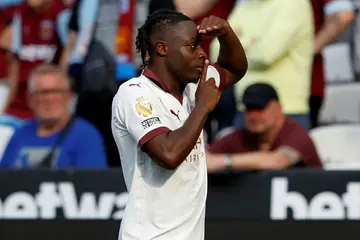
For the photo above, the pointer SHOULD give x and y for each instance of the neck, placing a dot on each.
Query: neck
(172, 83)
(269, 136)
(49, 127)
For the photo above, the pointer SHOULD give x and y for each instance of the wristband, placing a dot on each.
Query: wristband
(228, 161)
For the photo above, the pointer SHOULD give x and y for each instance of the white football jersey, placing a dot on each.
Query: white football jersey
(163, 204)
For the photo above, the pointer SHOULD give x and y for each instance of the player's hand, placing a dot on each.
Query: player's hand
(213, 26)
(207, 94)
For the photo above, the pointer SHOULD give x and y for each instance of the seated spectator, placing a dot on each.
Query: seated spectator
(54, 139)
(269, 140)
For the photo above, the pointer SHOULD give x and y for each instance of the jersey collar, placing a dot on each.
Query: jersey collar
(155, 79)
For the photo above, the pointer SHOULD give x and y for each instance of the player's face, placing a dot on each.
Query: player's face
(50, 97)
(259, 120)
(185, 55)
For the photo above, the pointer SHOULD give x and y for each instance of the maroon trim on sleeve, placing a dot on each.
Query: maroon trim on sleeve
(150, 135)
(222, 75)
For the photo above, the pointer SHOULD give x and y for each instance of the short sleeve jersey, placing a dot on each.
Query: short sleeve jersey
(162, 204)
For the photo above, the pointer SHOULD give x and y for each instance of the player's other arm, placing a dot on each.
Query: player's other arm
(170, 149)
(231, 54)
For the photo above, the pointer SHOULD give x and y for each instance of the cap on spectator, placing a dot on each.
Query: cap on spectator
(259, 95)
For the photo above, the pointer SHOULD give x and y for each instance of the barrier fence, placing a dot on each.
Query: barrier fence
(292, 204)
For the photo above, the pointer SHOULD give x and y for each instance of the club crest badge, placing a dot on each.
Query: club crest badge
(143, 107)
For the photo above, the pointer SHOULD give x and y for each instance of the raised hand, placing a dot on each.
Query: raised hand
(213, 26)
(207, 94)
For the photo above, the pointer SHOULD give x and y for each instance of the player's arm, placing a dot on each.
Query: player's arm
(231, 54)
(339, 16)
(283, 157)
(171, 148)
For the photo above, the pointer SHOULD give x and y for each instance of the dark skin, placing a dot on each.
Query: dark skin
(179, 59)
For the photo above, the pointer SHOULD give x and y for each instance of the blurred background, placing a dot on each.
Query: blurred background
(307, 50)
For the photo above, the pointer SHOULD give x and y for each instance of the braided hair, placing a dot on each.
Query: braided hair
(155, 22)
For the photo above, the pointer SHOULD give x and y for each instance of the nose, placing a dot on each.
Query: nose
(202, 54)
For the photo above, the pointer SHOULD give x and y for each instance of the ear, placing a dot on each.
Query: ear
(161, 48)
(278, 108)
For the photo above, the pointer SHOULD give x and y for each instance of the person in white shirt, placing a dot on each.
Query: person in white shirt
(157, 122)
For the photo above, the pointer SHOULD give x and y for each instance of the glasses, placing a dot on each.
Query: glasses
(50, 92)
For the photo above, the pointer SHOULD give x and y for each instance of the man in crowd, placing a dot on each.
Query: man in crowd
(268, 141)
(38, 32)
(279, 48)
(54, 139)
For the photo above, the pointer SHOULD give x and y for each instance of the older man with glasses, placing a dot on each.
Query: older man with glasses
(55, 138)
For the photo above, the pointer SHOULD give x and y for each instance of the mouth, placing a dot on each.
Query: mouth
(200, 69)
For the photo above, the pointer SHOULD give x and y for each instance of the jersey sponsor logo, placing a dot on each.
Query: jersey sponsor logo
(175, 114)
(143, 107)
(134, 85)
(46, 29)
(150, 122)
(37, 52)
(60, 199)
(197, 152)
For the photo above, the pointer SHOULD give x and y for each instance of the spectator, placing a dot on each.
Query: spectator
(54, 139)
(279, 48)
(91, 46)
(38, 33)
(269, 140)
(331, 18)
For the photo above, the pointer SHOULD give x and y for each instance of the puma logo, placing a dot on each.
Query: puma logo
(134, 84)
(175, 114)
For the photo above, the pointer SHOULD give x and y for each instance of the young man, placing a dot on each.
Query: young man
(157, 122)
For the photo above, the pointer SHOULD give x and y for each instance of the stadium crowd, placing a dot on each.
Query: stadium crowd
(57, 97)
